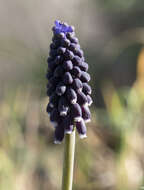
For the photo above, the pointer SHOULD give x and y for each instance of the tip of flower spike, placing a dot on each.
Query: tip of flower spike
(57, 142)
(82, 136)
(61, 27)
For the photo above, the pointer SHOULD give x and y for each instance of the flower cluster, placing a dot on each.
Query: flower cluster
(68, 89)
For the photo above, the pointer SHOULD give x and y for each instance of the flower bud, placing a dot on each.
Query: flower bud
(63, 106)
(76, 72)
(84, 66)
(49, 109)
(67, 65)
(89, 100)
(85, 77)
(86, 115)
(59, 134)
(69, 55)
(76, 112)
(81, 128)
(60, 89)
(71, 95)
(81, 98)
(77, 84)
(67, 78)
(86, 89)
(59, 71)
(68, 124)
(53, 101)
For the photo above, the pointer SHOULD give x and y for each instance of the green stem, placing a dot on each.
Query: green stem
(68, 162)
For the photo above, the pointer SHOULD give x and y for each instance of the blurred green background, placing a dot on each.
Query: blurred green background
(111, 33)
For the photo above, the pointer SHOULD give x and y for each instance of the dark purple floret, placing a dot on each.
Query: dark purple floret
(81, 98)
(56, 43)
(86, 115)
(63, 106)
(76, 112)
(59, 71)
(67, 88)
(67, 78)
(60, 89)
(67, 65)
(50, 90)
(65, 42)
(81, 128)
(74, 40)
(49, 109)
(69, 55)
(77, 84)
(76, 72)
(68, 124)
(58, 60)
(73, 47)
(71, 95)
(76, 49)
(49, 74)
(86, 89)
(77, 61)
(69, 35)
(59, 134)
(61, 50)
(53, 100)
(60, 35)
(54, 80)
(51, 65)
(79, 52)
(49, 59)
(84, 66)
(89, 100)
(53, 52)
(53, 46)
(85, 77)
(54, 115)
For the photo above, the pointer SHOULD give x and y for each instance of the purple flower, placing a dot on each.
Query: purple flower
(68, 89)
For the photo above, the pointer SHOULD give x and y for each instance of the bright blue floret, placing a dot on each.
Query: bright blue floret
(61, 27)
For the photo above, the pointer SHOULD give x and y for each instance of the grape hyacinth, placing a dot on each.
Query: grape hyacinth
(68, 89)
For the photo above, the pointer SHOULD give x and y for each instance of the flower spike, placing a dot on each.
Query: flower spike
(68, 89)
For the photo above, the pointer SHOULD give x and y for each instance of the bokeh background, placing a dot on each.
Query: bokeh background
(111, 33)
